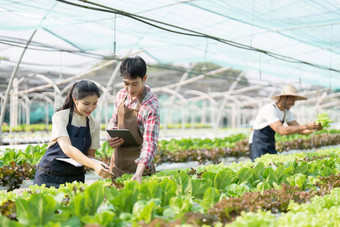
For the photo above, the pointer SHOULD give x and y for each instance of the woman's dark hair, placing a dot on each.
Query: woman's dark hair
(133, 67)
(80, 90)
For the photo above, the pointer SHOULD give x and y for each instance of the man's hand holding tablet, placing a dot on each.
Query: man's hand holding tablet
(121, 137)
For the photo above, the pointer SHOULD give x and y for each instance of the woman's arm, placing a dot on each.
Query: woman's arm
(72, 152)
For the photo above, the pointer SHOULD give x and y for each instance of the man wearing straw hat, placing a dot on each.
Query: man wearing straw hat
(270, 119)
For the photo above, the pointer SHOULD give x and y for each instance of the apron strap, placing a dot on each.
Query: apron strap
(70, 116)
(140, 99)
(284, 116)
(87, 127)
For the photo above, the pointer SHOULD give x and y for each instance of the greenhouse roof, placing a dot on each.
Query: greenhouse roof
(296, 40)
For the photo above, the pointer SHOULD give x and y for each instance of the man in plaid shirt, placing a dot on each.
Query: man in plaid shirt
(136, 108)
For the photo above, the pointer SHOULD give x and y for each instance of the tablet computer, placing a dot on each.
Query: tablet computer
(127, 136)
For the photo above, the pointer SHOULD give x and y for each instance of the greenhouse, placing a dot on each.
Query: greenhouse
(235, 122)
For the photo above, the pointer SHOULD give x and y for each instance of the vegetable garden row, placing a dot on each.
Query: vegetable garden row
(289, 190)
(18, 165)
(300, 189)
(44, 127)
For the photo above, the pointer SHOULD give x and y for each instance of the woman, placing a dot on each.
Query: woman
(75, 135)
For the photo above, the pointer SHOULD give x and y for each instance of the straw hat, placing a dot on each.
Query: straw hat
(289, 90)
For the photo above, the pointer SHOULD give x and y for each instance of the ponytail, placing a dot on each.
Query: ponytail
(79, 90)
(68, 103)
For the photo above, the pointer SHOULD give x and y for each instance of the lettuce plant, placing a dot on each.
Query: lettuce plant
(324, 120)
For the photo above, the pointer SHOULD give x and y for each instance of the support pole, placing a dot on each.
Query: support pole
(2, 116)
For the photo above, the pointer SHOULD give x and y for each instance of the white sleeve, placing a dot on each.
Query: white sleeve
(59, 125)
(95, 135)
(270, 114)
(289, 117)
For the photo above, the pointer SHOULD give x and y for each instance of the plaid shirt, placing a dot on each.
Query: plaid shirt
(148, 120)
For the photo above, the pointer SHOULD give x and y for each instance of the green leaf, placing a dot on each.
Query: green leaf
(269, 175)
(300, 179)
(124, 201)
(148, 212)
(180, 205)
(324, 120)
(133, 186)
(237, 190)
(199, 186)
(326, 171)
(291, 181)
(110, 193)
(125, 216)
(78, 205)
(169, 212)
(258, 169)
(279, 172)
(168, 190)
(209, 176)
(276, 186)
(263, 186)
(94, 196)
(37, 210)
(255, 183)
(223, 178)
(4, 221)
(244, 175)
(55, 224)
(71, 222)
(138, 207)
(150, 190)
(301, 168)
(64, 215)
(210, 197)
(289, 170)
(105, 218)
(182, 180)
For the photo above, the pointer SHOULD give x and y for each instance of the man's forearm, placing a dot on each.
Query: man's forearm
(140, 169)
(292, 129)
(306, 131)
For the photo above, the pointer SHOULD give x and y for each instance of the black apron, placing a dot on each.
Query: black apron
(263, 141)
(53, 172)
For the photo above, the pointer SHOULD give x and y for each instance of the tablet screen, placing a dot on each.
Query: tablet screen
(129, 140)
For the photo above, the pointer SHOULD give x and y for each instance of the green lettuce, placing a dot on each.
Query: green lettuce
(323, 119)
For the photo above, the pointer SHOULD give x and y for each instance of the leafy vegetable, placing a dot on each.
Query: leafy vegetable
(324, 120)
(38, 209)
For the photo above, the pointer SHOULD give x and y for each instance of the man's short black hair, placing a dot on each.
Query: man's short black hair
(133, 67)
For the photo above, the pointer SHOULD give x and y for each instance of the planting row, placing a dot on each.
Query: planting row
(207, 195)
(18, 165)
(44, 127)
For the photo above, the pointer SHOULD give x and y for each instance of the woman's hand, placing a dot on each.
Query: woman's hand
(115, 142)
(103, 170)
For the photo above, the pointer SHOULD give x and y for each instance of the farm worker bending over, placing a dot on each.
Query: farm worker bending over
(270, 119)
(75, 135)
(136, 108)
